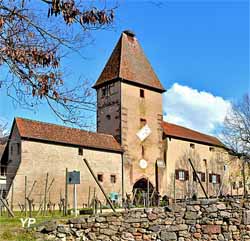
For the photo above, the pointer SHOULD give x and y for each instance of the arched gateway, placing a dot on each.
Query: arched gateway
(141, 189)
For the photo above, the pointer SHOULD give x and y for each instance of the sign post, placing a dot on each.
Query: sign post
(74, 178)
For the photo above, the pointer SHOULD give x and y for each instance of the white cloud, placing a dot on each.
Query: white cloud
(198, 110)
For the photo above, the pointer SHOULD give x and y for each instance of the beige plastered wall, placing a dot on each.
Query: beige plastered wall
(39, 158)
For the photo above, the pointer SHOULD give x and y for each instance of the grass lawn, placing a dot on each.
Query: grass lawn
(11, 228)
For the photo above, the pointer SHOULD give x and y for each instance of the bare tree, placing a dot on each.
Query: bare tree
(34, 37)
(236, 132)
(3, 129)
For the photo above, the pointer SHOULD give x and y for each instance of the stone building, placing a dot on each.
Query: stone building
(133, 149)
(37, 148)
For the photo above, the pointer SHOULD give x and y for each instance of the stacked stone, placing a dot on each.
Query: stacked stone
(201, 220)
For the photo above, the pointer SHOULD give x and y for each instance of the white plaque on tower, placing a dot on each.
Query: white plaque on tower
(144, 132)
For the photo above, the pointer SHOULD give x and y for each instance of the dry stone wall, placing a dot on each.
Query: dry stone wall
(200, 220)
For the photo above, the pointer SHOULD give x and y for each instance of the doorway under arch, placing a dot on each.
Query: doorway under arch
(140, 190)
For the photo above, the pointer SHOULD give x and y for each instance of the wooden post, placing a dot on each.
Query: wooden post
(66, 193)
(34, 183)
(42, 202)
(244, 179)
(12, 196)
(197, 177)
(147, 192)
(45, 194)
(7, 207)
(174, 189)
(25, 195)
(89, 196)
(100, 186)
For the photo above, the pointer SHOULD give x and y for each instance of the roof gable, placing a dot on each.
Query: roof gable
(129, 63)
(181, 132)
(60, 134)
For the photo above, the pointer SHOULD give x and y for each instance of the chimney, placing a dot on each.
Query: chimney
(129, 33)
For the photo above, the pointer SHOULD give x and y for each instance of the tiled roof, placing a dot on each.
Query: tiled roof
(129, 63)
(65, 135)
(181, 132)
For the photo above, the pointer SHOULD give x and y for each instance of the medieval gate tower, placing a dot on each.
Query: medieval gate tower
(129, 107)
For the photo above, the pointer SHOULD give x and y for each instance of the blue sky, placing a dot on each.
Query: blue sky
(194, 46)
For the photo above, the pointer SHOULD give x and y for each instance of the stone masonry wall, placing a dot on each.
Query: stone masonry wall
(201, 220)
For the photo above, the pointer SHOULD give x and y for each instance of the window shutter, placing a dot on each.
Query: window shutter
(186, 175)
(194, 177)
(177, 174)
(203, 177)
(210, 178)
(218, 179)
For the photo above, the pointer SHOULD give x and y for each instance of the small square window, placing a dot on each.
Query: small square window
(108, 117)
(192, 146)
(113, 178)
(211, 148)
(100, 177)
(80, 151)
(142, 93)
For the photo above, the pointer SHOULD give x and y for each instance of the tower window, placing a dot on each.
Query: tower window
(142, 151)
(100, 177)
(143, 122)
(108, 117)
(106, 90)
(142, 93)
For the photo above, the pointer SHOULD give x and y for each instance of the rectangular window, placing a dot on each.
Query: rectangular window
(143, 122)
(80, 151)
(142, 93)
(201, 176)
(113, 178)
(106, 90)
(100, 177)
(240, 184)
(181, 175)
(192, 146)
(214, 178)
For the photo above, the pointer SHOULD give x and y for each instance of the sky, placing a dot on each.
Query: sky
(198, 49)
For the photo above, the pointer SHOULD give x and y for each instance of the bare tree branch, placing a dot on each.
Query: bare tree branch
(32, 47)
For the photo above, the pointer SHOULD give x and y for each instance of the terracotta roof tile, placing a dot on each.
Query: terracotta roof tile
(65, 135)
(129, 63)
(177, 131)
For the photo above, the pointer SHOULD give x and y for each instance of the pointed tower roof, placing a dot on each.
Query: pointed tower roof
(129, 63)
